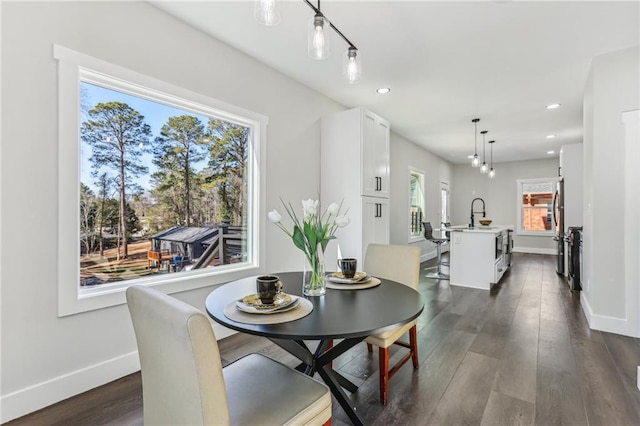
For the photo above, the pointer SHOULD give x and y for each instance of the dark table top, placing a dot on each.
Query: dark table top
(337, 314)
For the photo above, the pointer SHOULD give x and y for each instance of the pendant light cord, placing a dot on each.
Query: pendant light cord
(484, 153)
(475, 149)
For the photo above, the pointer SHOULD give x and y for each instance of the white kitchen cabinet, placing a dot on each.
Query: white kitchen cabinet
(375, 221)
(375, 155)
(354, 153)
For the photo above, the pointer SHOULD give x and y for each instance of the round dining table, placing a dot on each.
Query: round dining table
(350, 315)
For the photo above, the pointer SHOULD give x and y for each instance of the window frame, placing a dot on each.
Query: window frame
(74, 67)
(422, 181)
(519, 206)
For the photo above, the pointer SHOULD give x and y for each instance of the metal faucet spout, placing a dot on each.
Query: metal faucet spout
(484, 213)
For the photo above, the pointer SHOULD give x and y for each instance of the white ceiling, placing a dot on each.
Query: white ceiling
(445, 62)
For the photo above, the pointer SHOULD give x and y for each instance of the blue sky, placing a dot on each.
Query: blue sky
(155, 115)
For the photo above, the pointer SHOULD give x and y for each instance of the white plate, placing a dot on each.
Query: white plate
(358, 278)
(248, 308)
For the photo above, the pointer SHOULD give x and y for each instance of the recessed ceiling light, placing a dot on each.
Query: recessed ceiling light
(551, 152)
(551, 136)
(552, 106)
(383, 90)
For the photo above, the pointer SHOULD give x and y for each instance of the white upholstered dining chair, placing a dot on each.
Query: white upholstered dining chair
(401, 264)
(183, 382)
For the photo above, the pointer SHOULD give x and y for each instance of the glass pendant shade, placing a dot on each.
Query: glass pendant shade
(318, 44)
(484, 168)
(492, 173)
(267, 12)
(351, 66)
(476, 161)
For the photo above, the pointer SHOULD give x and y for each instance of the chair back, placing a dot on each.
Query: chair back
(394, 262)
(182, 381)
(428, 230)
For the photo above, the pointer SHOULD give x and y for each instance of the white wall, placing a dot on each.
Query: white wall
(500, 194)
(46, 358)
(612, 88)
(405, 154)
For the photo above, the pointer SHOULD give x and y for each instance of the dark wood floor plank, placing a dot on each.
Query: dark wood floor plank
(505, 410)
(465, 399)
(516, 374)
(625, 352)
(606, 399)
(558, 397)
(434, 376)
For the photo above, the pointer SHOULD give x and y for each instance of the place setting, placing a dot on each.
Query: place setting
(349, 278)
(269, 305)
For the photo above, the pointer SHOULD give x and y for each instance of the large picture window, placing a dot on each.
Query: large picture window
(535, 206)
(166, 185)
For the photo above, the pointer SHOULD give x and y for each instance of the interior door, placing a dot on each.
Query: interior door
(445, 214)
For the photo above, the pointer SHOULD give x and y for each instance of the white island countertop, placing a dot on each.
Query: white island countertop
(491, 229)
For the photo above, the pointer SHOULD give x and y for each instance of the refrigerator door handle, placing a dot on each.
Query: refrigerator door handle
(555, 203)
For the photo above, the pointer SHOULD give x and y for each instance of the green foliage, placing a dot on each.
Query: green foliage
(181, 144)
(118, 135)
(227, 165)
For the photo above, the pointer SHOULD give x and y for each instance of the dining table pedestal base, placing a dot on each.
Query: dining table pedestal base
(319, 362)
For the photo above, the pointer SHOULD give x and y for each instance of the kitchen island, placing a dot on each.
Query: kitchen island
(478, 255)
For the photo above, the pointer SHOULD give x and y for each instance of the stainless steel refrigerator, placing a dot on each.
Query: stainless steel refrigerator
(558, 220)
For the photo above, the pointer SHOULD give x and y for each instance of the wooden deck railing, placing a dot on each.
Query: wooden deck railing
(158, 256)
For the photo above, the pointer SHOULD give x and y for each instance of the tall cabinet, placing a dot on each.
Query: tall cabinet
(355, 171)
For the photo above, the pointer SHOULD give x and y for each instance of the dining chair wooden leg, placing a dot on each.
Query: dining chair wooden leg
(369, 347)
(327, 423)
(413, 342)
(383, 355)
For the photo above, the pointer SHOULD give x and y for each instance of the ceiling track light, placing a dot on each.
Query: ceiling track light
(492, 172)
(484, 168)
(318, 41)
(475, 162)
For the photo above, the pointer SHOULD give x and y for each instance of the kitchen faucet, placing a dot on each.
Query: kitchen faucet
(484, 214)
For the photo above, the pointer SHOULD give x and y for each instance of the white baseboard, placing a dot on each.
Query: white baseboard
(33, 398)
(428, 256)
(606, 323)
(535, 250)
(221, 331)
(36, 397)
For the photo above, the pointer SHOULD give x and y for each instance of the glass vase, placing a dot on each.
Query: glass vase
(313, 274)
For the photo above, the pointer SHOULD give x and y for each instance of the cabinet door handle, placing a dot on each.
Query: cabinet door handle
(378, 183)
(378, 210)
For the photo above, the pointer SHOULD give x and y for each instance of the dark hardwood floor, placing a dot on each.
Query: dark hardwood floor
(520, 354)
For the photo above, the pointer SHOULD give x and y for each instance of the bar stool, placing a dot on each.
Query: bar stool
(428, 234)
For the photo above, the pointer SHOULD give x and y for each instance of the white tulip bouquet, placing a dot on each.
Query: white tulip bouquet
(311, 235)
